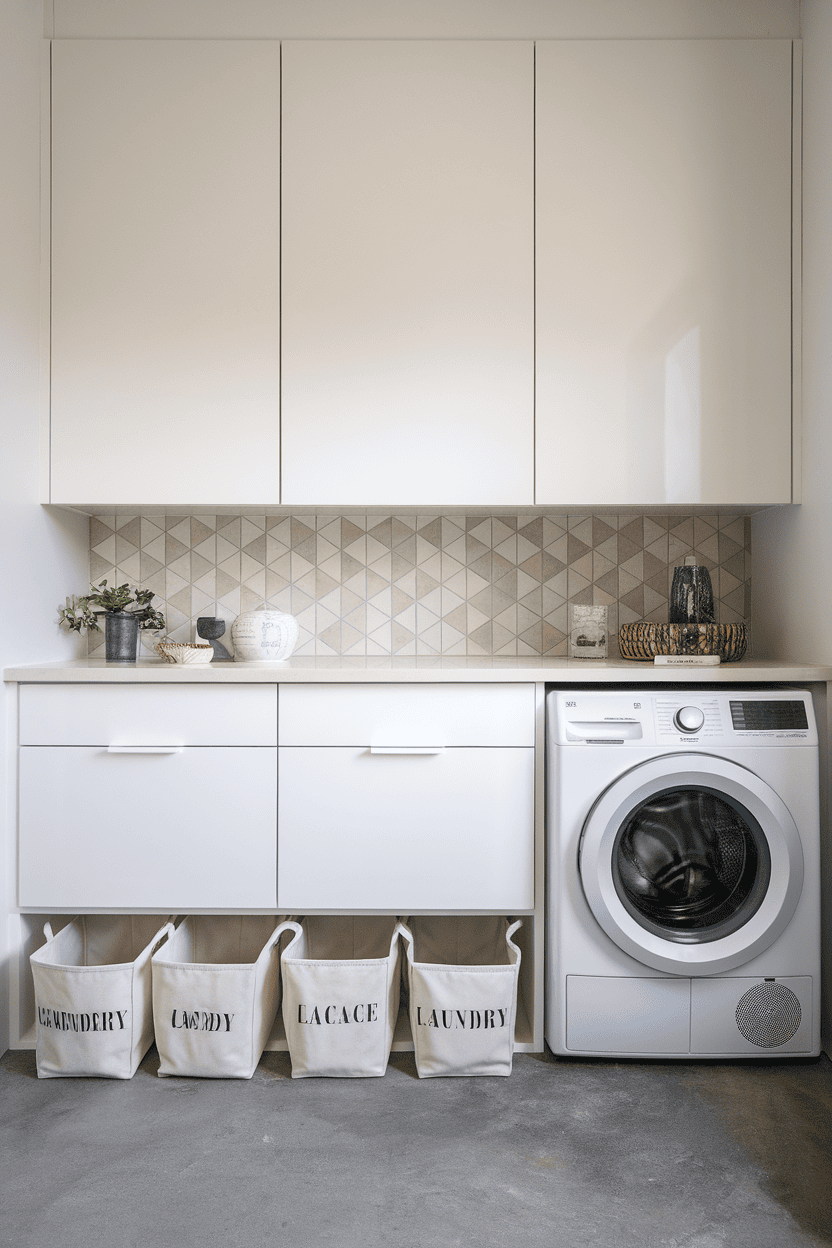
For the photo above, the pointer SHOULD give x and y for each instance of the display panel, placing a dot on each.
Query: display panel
(768, 716)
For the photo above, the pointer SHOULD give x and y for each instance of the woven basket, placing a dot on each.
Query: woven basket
(185, 652)
(644, 640)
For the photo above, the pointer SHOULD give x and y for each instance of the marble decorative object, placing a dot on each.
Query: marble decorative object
(211, 629)
(691, 594)
(264, 636)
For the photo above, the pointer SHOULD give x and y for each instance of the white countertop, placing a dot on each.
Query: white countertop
(439, 669)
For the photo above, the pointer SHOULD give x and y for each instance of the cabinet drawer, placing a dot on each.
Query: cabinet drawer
(148, 715)
(172, 832)
(409, 715)
(363, 831)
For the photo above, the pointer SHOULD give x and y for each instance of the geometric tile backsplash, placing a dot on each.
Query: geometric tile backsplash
(376, 583)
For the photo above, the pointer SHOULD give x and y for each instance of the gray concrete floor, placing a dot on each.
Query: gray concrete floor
(562, 1153)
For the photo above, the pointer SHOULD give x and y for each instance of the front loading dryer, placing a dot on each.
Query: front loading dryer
(683, 898)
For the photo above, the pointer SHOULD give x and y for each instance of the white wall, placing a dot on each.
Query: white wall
(43, 552)
(792, 548)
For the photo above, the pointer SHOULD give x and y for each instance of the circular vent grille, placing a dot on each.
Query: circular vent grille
(768, 1015)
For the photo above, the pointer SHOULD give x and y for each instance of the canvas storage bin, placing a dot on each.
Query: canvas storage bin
(341, 994)
(93, 995)
(216, 990)
(462, 976)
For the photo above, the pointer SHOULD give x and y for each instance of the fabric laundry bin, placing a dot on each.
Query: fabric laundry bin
(341, 983)
(93, 995)
(216, 991)
(462, 978)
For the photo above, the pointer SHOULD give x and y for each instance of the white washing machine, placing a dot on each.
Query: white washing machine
(683, 873)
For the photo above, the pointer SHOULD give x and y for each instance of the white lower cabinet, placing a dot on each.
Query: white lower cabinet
(157, 797)
(419, 805)
(190, 830)
(363, 830)
(199, 798)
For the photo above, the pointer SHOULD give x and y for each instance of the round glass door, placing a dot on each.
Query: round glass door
(691, 863)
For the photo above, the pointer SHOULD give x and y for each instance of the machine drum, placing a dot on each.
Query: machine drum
(768, 1015)
(689, 866)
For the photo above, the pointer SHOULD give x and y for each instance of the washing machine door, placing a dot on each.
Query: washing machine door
(691, 863)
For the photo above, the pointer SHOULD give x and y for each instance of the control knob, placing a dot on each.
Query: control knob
(689, 719)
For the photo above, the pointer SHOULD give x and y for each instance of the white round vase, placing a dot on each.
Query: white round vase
(264, 636)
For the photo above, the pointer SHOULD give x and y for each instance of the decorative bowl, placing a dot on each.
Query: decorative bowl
(264, 636)
(643, 640)
(185, 652)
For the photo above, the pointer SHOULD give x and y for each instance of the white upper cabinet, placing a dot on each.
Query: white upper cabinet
(664, 278)
(165, 272)
(407, 287)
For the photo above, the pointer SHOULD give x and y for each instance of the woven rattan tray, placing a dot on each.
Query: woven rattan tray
(644, 640)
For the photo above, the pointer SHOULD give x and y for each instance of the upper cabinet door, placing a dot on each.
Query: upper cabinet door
(165, 272)
(664, 280)
(407, 295)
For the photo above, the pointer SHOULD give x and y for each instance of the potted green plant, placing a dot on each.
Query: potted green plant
(125, 611)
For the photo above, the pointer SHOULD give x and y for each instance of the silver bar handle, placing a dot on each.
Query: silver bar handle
(145, 749)
(407, 749)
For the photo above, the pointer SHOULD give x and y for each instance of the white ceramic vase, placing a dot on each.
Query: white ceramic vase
(264, 636)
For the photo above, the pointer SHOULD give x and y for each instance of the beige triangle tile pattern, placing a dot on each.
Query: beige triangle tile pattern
(413, 584)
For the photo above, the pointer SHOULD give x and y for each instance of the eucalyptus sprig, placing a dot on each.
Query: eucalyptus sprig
(106, 600)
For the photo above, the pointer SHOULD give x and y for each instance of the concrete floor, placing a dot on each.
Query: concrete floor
(563, 1153)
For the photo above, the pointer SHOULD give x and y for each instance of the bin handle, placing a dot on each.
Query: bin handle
(168, 930)
(145, 749)
(47, 930)
(407, 749)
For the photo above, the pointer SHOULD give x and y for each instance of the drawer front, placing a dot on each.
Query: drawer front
(168, 832)
(426, 715)
(362, 831)
(148, 715)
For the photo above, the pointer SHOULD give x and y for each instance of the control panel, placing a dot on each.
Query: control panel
(688, 717)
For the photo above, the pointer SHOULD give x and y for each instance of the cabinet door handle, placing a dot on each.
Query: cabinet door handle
(145, 749)
(407, 749)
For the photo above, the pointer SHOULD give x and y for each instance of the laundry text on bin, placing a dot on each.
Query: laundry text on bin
(461, 1020)
(360, 1013)
(62, 1020)
(201, 1020)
